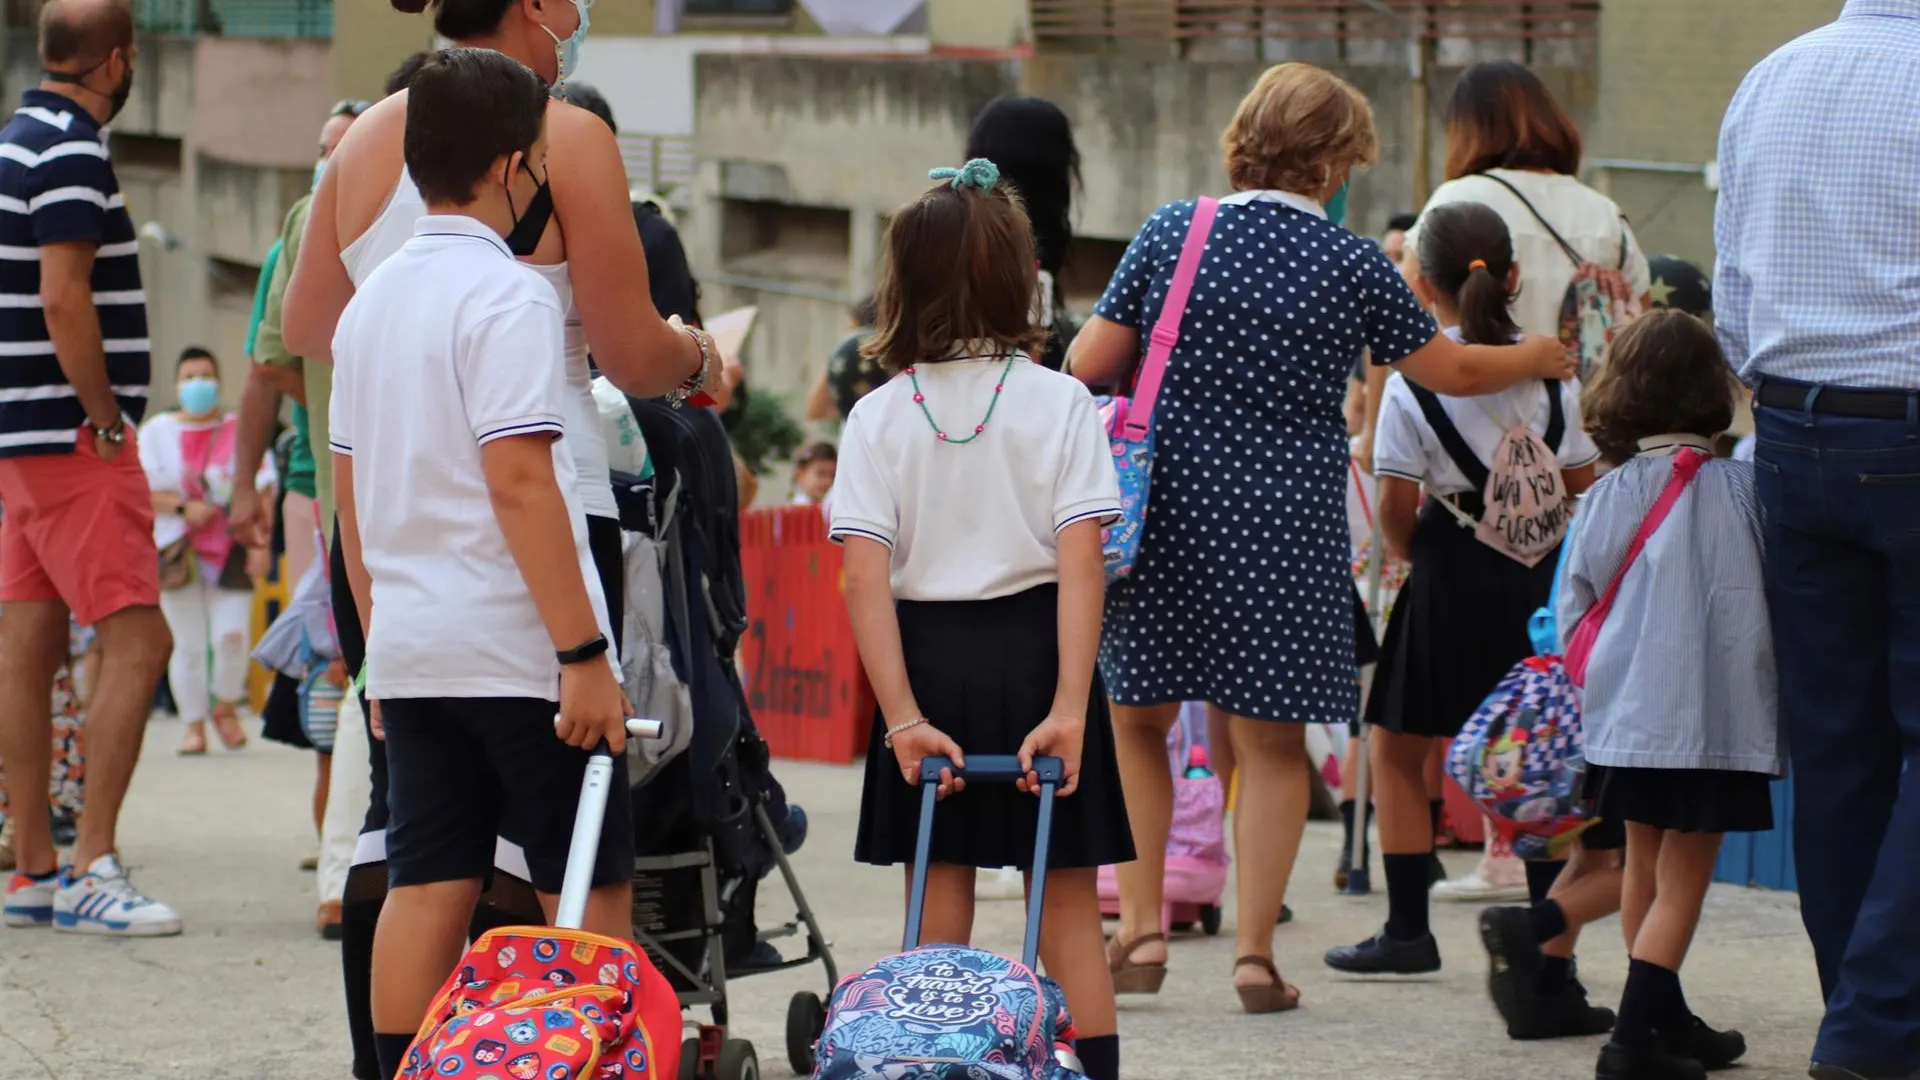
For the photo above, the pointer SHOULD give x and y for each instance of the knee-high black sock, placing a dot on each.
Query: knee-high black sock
(1100, 1056)
(393, 1052)
(1645, 1004)
(1540, 878)
(1408, 880)
(357, 919)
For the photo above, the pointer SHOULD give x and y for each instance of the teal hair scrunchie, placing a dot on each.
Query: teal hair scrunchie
(978, 173)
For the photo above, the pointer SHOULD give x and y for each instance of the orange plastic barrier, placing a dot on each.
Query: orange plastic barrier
(809, 696)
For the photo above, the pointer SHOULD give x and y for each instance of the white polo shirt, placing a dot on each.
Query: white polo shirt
(976, 520)
(449, 345)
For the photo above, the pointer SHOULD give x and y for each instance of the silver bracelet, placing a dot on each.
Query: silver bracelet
(699, 379)
(886, 740)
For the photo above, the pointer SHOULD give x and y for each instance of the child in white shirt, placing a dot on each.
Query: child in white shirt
(971, 493)
(466, 546)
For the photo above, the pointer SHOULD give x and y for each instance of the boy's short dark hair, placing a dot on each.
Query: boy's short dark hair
(466, 109)
(195, 352)
(957, 266)
(1402, 222)
(1664, 375)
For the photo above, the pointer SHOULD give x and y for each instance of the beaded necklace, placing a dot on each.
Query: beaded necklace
(920, 399)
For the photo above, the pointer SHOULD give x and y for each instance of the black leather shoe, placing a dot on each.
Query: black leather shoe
(1619, 1063)
(1840, 1072)
(1383, 955)
(1564, 1015)
(1513, 968)
(1712, 1049)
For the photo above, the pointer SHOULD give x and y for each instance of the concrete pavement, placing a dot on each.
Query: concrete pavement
(251, 992)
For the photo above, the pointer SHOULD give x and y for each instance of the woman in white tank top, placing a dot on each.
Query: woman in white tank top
(365, 209)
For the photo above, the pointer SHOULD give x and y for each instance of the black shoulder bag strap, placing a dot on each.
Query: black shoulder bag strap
(1556, 416)
(1451, 441)
(1572, 253)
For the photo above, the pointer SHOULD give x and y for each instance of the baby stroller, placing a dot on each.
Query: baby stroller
(710, 821)
(1196, 870)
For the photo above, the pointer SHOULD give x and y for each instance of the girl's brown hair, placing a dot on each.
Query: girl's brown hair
(1466, 255)
(1664, 375)
(958, 267)
(1501, 116)
(1295, 128)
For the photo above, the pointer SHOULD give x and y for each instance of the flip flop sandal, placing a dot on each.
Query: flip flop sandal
(1129, 975)
(1277, 996)
(227, 726)
(194, 742)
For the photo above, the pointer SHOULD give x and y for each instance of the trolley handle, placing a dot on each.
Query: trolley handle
(986, 768)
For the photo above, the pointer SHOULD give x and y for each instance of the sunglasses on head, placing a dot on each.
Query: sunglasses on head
(349, 107)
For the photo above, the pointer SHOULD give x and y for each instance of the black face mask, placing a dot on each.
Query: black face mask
(528, 228)
(116, 100)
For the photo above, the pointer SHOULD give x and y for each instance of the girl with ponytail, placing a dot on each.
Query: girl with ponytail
(1460, 622)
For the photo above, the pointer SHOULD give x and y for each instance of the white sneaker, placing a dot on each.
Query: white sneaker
(1004, 883)
(30, 900)
(1476, 889)
(103, 901)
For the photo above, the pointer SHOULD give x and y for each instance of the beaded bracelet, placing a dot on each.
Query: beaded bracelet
(904, 725)
(699, 379)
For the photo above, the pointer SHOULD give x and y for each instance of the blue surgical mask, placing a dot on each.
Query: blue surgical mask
(569, 50)
(199, 397)
(319, 170)
(1337, 206)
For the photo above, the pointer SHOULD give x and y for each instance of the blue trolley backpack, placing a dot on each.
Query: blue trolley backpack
(948, 1012)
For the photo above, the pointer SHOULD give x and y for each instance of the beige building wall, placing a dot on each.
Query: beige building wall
(1668, 68)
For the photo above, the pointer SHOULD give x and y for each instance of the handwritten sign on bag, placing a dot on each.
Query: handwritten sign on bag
(1527, 505)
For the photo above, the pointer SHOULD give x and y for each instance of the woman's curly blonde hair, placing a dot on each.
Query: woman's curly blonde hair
(1297, 127)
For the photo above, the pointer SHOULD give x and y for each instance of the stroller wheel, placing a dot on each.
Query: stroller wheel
(690, 1059)
(806, 1019)
(737, 1061)
(1210, 919)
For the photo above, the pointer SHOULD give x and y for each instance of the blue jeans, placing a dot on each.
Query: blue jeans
(1840, 497)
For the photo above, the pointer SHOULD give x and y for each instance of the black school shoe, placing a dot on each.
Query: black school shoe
(1383, 955)
(1513, 968)
(1619, 1063)
(1712, 1049)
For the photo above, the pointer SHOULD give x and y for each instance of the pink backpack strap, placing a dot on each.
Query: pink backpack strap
(1686, 465)
(1166, 330)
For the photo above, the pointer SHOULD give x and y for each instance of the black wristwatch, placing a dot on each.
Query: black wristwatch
(584, 652)
(115, 432)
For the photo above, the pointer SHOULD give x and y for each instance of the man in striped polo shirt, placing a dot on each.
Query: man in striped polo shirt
(77, 535)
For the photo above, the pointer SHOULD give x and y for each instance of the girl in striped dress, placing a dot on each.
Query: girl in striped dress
(1681, 726)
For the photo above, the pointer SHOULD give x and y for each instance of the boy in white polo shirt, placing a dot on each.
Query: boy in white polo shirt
(466, 544)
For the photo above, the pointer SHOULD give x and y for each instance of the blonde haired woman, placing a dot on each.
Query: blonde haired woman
(1241, 595)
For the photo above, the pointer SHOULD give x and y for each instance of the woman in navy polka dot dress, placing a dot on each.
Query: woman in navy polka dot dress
(1241, 595)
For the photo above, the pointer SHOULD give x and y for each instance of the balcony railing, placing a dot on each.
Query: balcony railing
(659, 163)
(237, 18)
(1190, 20)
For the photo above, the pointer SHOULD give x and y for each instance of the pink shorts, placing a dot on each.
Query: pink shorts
(80, 530)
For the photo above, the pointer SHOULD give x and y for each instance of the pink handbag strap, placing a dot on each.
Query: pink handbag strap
(1166, 330)
(1686, 465)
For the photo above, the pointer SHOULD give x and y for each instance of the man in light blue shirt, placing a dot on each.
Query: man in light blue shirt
(1817, 302)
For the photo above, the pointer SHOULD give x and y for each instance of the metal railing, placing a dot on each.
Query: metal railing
(659, 163)
(236, 18)
(1184, 20)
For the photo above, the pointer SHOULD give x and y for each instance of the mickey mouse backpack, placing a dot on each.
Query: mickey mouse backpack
(1521, 756)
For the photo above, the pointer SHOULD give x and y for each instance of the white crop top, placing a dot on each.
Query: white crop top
(394, 227)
